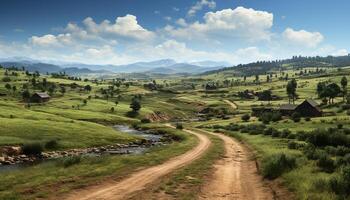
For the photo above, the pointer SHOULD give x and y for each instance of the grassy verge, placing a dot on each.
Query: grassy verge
(186, 182)
(57, 177)
(305, 181)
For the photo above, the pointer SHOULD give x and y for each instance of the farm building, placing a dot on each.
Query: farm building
(287, 109)
(309, 108)
(40, 97)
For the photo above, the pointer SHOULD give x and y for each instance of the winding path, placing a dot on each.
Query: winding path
(139, 180)
(235, 176)
(232, 104)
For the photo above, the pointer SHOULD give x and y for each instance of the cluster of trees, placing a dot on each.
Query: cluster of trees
(329, 91)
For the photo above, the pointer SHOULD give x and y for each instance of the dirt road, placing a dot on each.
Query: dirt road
(233, 105)
(235, 176)
(139, 180)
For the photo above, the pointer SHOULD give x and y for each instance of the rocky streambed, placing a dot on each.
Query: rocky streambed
(12, 158)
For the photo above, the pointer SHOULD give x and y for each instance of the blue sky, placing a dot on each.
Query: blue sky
(119, 32)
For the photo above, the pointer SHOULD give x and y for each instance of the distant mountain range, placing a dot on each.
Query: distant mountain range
(165, 66)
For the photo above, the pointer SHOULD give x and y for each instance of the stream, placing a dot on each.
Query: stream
(118, 149)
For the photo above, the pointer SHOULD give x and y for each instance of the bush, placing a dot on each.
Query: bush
(340, 126)
(32, 149)
(179, 126)
(341, 184)
(285, 133)
(51, 144)
(276, 165)
(245, 117)
(145, 120)
(6, 79)
(307, 119)
(296, 117)
(326, 163)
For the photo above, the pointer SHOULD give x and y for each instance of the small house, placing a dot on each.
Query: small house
(40, 97)
(309, 108)
(287, 109)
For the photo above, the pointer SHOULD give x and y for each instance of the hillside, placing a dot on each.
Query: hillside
(262, 67)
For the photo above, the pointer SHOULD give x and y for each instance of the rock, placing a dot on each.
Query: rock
(2, 159)
(11, 150)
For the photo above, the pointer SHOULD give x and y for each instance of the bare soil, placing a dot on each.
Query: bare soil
(235, 176)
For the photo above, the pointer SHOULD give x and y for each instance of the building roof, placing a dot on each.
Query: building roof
(313, 104)
(288, 107)
(42, 94)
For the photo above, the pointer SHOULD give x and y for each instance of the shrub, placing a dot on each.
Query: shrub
(285, 133)
(326, 163)
(32, 149)
(348, 112)
(292, 145)
(6, 79)
(296, 117)
(245, 117)
(179, 126)
(340, 126)
(341, 184)
(307, 119)
(145, 120)
(301, 135)
(276, 165)
(276, 116)
(51, 144)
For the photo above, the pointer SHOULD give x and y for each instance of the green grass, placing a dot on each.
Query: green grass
(52, 179)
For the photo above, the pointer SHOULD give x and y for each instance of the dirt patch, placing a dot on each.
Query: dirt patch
(236, 177)
(158, 117)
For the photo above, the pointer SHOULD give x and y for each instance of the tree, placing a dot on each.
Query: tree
(14, 88)
(8, 86)
(291, 90)
(44, 82)
(331, 91)
(320, 88)
(267, 78)
(135, 105)
(344, 83)
(265, 95)
(25, 95)
(63, 90)
(87, 88)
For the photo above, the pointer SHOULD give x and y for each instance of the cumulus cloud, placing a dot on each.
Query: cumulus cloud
(126, 26)
(200, 5)
(51, 40)
(302, 37)
(240, 23)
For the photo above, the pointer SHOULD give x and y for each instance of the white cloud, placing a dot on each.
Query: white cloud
(302, 37)
(199, 6)
(176, 9)
(181, 22)
(168, 18)
(51, 40)
(242, 23)
(126, 26)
